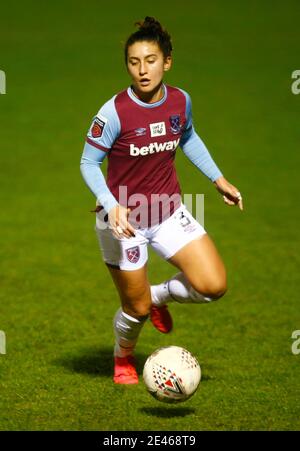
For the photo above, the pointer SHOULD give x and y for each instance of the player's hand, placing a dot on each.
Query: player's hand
(231, 194)
(118, 221)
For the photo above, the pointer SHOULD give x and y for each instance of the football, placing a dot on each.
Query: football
(171, 374)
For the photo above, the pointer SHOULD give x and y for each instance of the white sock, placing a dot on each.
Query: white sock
(176, 289)
(160, 294)
(126, 330)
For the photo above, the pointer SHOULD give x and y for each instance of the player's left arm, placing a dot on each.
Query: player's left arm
(196, 151)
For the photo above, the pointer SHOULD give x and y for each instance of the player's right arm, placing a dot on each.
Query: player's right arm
(102, 134)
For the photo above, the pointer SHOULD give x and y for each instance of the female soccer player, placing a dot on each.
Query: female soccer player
(139, 130)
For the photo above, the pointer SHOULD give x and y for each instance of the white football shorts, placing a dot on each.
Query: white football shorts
(166, 239)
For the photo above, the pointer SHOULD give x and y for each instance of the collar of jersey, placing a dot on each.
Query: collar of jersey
(148, 105)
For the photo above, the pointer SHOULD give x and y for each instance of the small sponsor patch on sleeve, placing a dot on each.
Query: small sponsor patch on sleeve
(97, 127)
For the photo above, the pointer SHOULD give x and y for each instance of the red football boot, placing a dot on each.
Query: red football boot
(161, 319)
(124, 371)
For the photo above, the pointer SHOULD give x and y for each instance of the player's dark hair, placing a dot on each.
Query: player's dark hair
(151, 30)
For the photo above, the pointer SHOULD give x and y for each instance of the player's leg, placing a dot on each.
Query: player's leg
(203, 276)
(134, 292)
(126, 260)
(183, 242)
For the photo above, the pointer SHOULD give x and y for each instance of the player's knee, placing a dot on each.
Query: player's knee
(214, 289)
(137, 303)
(137, 311)
(217, 291)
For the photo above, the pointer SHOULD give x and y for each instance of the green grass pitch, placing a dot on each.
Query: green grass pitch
(62, 61)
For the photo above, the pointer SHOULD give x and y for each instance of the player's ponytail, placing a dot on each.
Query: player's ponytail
(151, 30)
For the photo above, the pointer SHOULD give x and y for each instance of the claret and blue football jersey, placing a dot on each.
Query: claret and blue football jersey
(140, 141)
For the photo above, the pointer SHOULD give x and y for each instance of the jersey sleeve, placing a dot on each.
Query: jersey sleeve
(90, 166)
(105, 127)
(195, 149)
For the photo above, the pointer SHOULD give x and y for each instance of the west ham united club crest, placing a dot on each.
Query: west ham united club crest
(133, 254)
(175, 124)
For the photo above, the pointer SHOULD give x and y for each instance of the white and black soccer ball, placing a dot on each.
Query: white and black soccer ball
(172, 374)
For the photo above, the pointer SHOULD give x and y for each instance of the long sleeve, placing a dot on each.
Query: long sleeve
(102, 133)
(90, 163)
(195, 149)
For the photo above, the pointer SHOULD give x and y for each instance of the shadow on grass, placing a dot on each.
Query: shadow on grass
(206, 377)
(95, 361)
(168, 412)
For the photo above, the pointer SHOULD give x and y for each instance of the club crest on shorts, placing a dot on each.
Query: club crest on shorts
(133, 254)
(175, 123)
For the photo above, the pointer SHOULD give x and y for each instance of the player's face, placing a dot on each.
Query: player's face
(146, 65)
